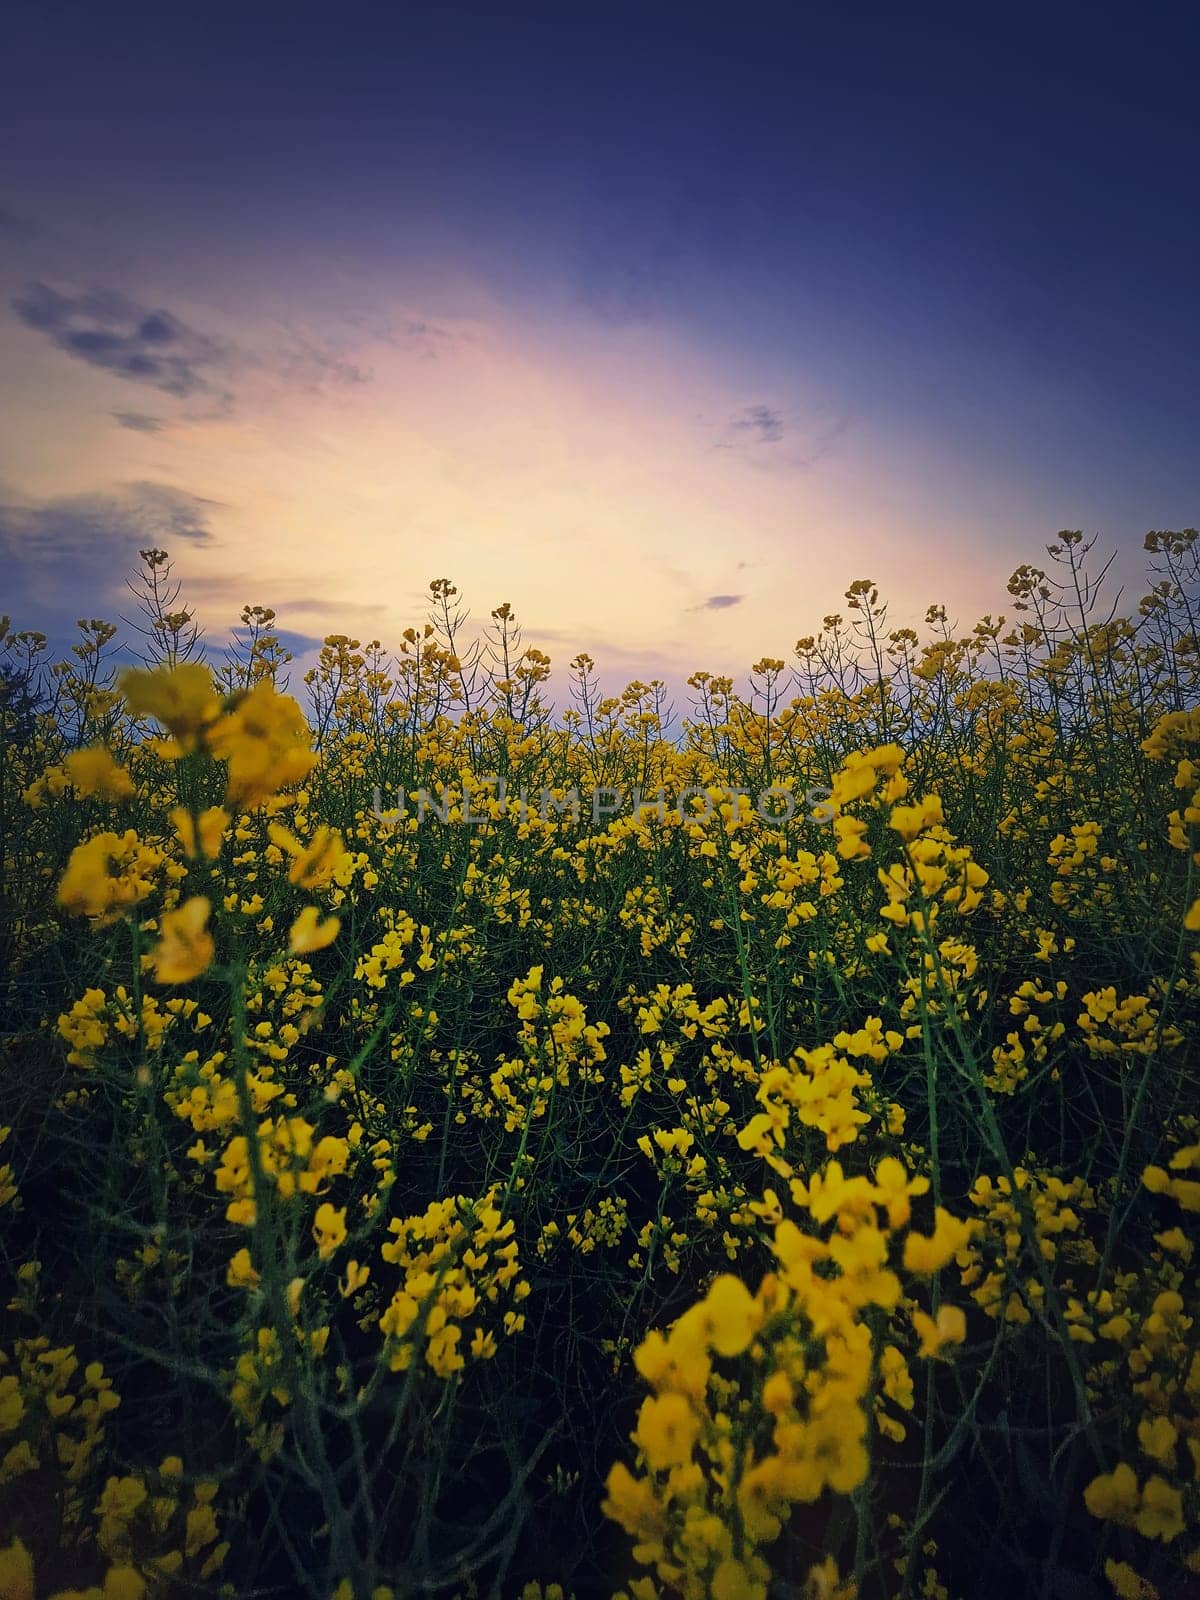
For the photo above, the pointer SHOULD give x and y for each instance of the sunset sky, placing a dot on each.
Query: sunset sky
(662, 322)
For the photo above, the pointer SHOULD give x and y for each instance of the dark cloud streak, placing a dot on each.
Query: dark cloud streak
(763, 423)
(109, 331)
(138, 421)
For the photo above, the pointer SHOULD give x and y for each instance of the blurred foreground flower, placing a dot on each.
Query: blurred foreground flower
(186, 946)
(94, 772)
(309, 932)
(184, 698)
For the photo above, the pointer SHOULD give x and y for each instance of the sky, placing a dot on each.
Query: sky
(662, 323)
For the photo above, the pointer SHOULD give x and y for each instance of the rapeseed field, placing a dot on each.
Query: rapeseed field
(458, 1146)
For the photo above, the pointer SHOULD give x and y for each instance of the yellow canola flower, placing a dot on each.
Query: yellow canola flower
(895, 1189)
(1184, 1191)
(667, 1431)
(825, 1583)
(316, 864)
(186, 947)
(1160, 1515)
(1157, 1437)
(201, 836)
(1192, 921)
(183, 698)
(107, 873)
(909, 821)
(930, 1253)
(949, 1328)
(1126, 1584)
(122, 1582)
(311, 932)
(264, 737)
(1113, 1496)
(16, 1573)
(726, 1319)
(851, 844)
(356, 1276)
(242, 1273)
(329, 1229)
(733, 1580)
(93, 771)
(633, 1503)
(1155, 1510)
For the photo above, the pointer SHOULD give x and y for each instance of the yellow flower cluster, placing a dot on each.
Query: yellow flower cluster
(51, 1409)
(293, 1159)
(764, 1401)
(459, 1261)
(558, 1045)
(108, 874)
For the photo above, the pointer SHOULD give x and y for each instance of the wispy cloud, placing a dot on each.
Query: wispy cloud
(152, 346)
(422, 337)
(88, 527)
(823, 442)
(305, 361)
(776, 441)
(224, 594)
(409, 331)
(138, 421)
(143, 345)
(763, 424)
(719, 602)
